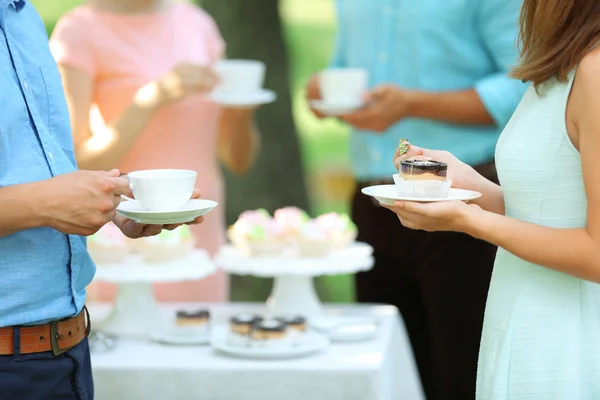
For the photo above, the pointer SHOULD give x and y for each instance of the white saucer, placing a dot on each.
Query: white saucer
(180, 338)
(346, 328)
(335, 109)
(263, 96)
(309, 343)
(188, 212)
(388, 194)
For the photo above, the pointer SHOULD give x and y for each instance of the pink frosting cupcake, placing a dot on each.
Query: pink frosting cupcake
(291, 220)
(339, 228)
(108, 245)
(257, 234)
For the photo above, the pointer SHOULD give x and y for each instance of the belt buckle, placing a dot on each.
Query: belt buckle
(54, 336)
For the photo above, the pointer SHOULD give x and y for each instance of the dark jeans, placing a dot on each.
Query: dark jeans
(439, 282)
(43, 376)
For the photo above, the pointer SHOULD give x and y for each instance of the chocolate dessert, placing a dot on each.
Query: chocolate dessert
(244, 323)
(195, 318)
(413, 170)
(269, 329)
(296, 322)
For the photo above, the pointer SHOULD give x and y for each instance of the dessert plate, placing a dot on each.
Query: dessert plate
(347, 329)
(309, 343)
(335, 109)
(180, 338)
(263, 96)
(388, 194)
(189, 211)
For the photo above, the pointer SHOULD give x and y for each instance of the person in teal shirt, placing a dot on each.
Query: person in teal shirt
(438, 76)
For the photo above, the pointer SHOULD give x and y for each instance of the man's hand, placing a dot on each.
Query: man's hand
(386, 105)
(134, 230)
(81, 202)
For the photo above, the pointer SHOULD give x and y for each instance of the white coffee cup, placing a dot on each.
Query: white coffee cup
(240, 76)
(343, 85)
(162, 189)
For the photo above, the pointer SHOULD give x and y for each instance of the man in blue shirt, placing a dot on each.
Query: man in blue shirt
(438, 76)
(47, 208)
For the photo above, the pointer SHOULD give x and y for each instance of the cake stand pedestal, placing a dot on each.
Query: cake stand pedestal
(135, 313)
(294, 291)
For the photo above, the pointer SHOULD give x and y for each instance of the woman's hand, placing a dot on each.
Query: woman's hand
(183, 80)
(453, 216)
(458, 171)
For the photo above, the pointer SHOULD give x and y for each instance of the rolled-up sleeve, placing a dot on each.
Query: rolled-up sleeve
(498, 26)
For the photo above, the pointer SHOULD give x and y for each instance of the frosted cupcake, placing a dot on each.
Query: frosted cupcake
(313, 241)
(422, 178)
(291, 220)
(339, 227)
(108, 245)
(257, 234)
(167, 245)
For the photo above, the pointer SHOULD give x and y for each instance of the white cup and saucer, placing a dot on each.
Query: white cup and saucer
(342, 91)
(162, 196)
(241, 84)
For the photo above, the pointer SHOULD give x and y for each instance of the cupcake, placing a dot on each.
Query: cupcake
(313, 241)
(339, 227)
(167, 245)
(291, 220)
(257, 234)
(422, 178)
(108, 245)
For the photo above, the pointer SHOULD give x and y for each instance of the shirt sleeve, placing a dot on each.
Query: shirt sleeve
(337, 59)
(71, 45)
(498, 25)
(214, 40)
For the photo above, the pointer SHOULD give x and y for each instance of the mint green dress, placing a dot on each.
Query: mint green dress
(541, 335)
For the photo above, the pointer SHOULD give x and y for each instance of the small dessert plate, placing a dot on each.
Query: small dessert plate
(180, 338)
(347, 329)
(263, 96)
(189, 211)
(333, 110)
(388, 194)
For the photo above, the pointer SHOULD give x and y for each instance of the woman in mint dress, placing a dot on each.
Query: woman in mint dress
(541, 335)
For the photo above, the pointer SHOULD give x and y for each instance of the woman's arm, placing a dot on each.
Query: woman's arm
(238, 140)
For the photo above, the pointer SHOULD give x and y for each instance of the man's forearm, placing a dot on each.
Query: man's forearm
(461, 108)
(18, 208)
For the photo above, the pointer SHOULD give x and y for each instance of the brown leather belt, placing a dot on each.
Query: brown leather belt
(57, 336)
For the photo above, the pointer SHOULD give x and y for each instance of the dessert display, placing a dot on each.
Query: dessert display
(167, 245)
(422, 178)
(290, 231)
(108, 245)
(254, 330)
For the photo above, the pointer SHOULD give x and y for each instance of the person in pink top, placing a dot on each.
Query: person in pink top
(136, 74)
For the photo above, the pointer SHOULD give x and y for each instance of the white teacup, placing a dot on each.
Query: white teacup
(240, 76)
(343, 85)
(162, 189)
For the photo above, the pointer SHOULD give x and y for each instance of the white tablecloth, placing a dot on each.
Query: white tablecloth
(381, 369)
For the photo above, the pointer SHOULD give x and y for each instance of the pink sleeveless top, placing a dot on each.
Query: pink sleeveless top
(123, 52)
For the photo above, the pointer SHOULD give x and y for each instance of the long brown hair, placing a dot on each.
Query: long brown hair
(554, 36)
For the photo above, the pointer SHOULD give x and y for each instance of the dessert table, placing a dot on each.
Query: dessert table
(380, 369)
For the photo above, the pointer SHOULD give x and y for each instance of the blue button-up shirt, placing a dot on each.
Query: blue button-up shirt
(434, 46)
(43, 273)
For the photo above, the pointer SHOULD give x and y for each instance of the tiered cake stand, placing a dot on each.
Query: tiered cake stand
(293, 290)
(135, 313)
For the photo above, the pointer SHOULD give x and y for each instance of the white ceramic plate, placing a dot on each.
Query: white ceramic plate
(388, 194)
(189, 211)
(346, 328)
(334, 109)
(309, 343)
(264, 96)
(180, 338)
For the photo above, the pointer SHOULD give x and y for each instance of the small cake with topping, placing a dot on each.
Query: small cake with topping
(270, 333)
(108, 245)
(291, 220)
(422, 178)
(339, 227)
(314, 241)
(294, 322)
(241, 327)
(167, 245)
(193, 321)
(257, 234)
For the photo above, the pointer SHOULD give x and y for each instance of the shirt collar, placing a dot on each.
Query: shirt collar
(17, 4)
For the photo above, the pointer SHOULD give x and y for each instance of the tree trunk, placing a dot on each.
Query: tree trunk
(252, 30)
